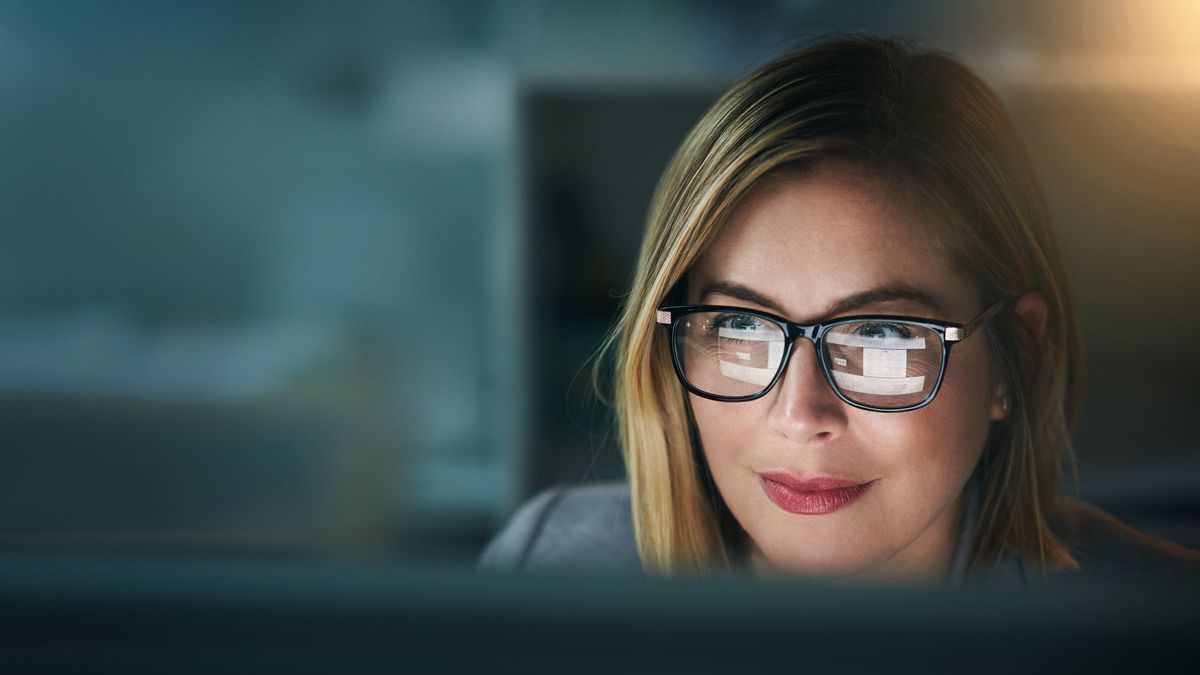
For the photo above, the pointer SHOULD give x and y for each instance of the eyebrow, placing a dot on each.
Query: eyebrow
(879, 294)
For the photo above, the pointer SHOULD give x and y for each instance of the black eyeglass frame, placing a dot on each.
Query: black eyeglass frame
(948, 333)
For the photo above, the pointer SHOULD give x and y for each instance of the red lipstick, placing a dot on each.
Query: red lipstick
(811, 496)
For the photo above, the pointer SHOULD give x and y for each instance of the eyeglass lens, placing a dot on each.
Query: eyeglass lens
(879, 364)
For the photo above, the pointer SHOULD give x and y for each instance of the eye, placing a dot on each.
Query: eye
(879, 330)
(742, 323)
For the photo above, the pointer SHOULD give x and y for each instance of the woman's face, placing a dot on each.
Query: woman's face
(796, 247)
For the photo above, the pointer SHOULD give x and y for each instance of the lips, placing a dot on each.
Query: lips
(812, 496)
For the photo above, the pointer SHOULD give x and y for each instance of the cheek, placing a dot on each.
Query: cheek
(928, 453)
(936, 440)
(718, 426)
(728, 431)
(964, 403)
(947, 435)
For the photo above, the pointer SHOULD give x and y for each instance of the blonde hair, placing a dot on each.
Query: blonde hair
(930, 128)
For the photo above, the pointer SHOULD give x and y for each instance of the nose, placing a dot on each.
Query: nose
(805, 408)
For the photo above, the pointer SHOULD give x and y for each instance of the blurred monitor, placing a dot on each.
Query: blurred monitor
(98, 614)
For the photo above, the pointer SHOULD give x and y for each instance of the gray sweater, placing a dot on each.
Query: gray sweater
(590, 528)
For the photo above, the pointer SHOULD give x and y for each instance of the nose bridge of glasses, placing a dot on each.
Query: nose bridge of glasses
(812, 333)
(806, 331)
(802, 379)
(802, 333)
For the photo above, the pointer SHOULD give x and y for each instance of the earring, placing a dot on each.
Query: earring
(1006, 404)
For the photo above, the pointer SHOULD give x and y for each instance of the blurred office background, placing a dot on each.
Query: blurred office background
(325, 277)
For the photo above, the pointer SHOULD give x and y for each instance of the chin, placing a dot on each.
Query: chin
(825, 562)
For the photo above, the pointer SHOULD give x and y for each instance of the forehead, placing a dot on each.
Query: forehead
(809, 240)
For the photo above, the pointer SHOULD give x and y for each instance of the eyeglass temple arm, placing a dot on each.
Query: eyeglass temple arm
(959, 334)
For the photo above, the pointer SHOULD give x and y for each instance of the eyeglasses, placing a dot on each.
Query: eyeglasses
(879, 363)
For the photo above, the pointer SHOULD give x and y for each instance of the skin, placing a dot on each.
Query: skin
(804, 242)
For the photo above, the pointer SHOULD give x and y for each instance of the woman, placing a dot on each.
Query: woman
(849, 350)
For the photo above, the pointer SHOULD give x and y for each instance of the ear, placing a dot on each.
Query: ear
(1032, 311)
(1032, 314)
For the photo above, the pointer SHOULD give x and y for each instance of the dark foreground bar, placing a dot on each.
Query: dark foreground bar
(104, 614)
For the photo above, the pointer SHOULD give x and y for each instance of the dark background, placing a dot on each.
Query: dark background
(315, 277)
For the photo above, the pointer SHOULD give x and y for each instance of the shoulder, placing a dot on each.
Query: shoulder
(1107, 548)
(580, 527)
